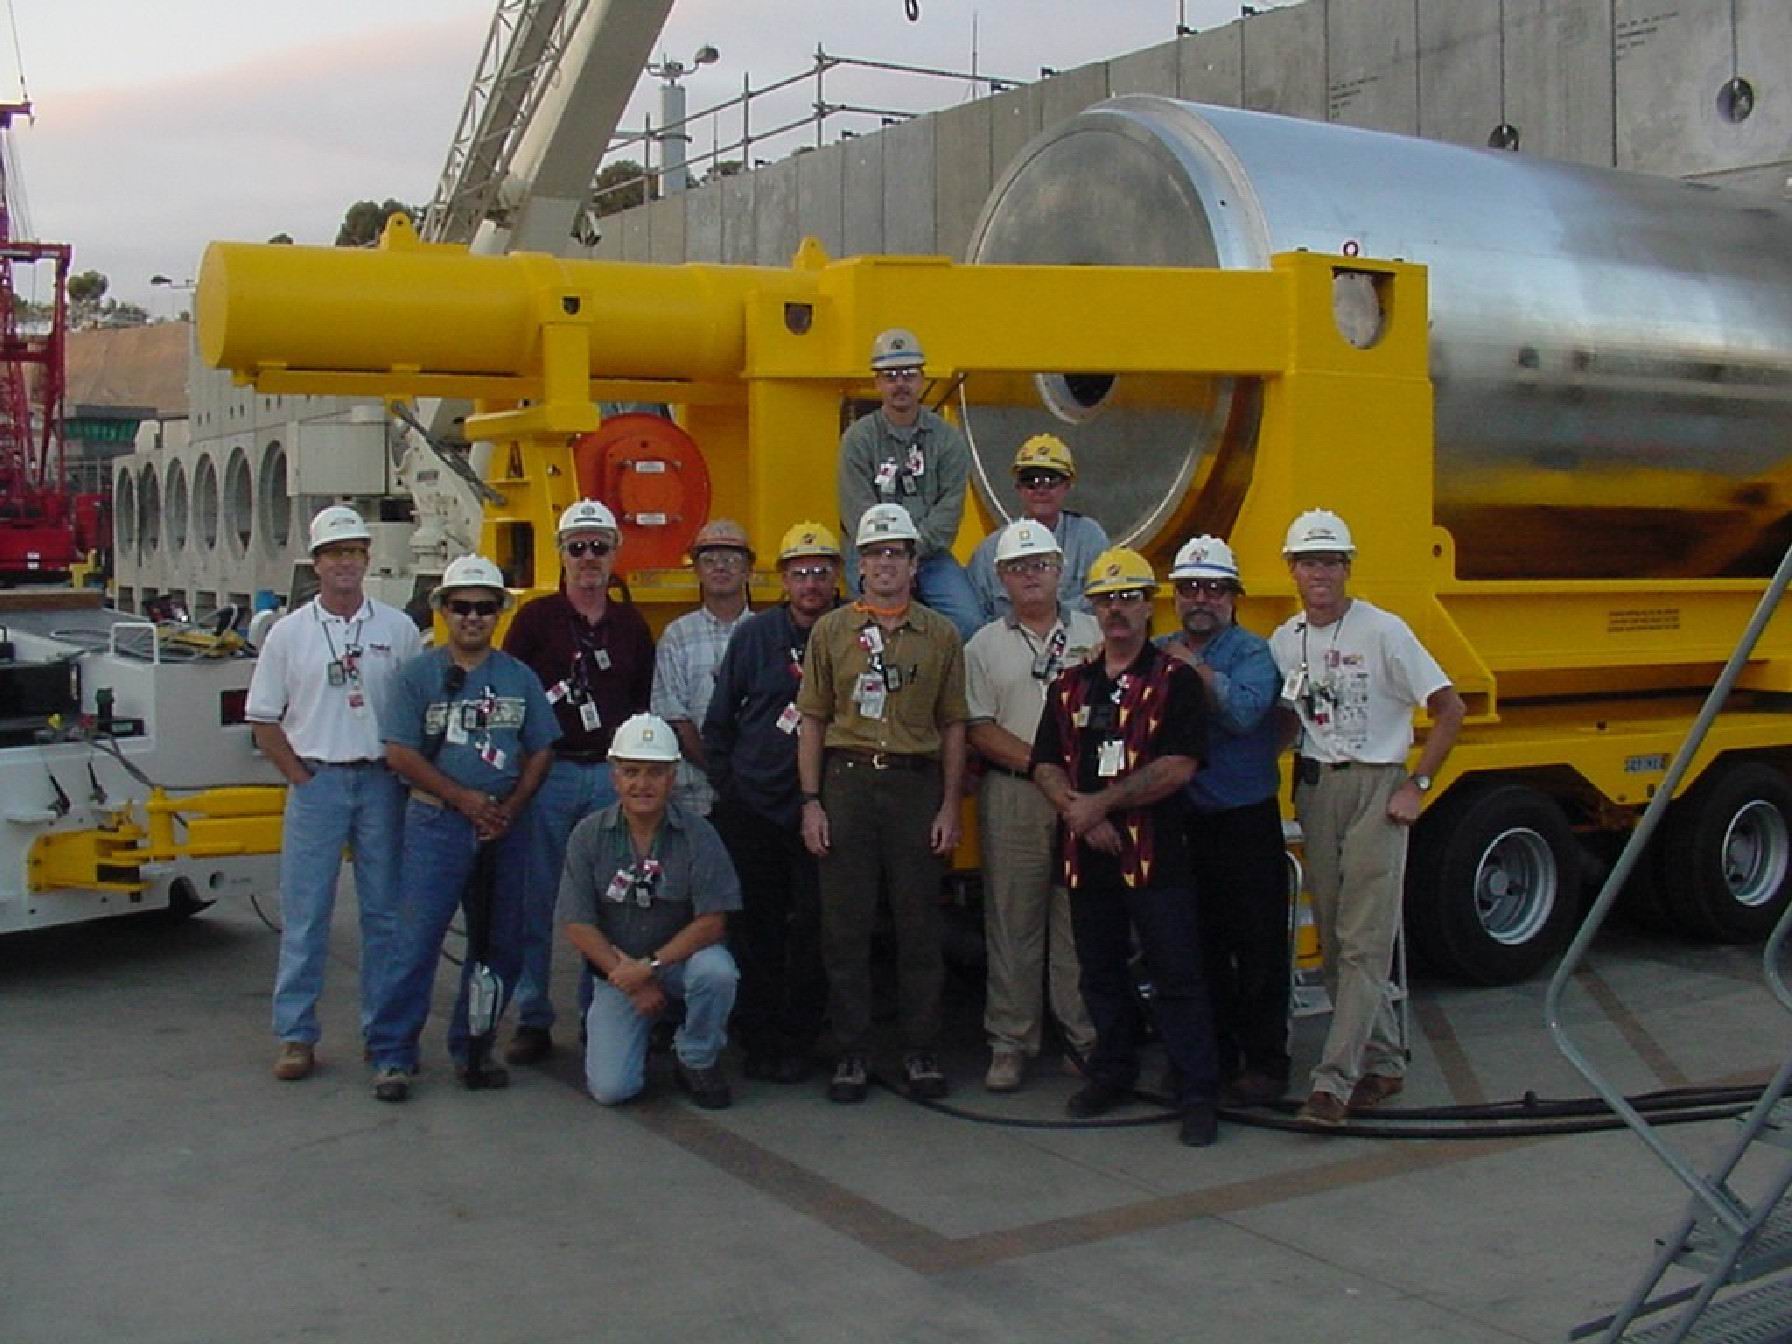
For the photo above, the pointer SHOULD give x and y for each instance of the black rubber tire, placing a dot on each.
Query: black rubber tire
(183, 904)
(1492, 884)
(1727, 853)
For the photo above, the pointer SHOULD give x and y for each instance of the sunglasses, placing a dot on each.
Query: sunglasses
(1040, 480)
(1126, 596)
(1203, 587)
(578, 548)
(462, 607)
(899, 375)
(809, 571)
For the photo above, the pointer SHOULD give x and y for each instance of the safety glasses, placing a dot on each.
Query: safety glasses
(578, 548)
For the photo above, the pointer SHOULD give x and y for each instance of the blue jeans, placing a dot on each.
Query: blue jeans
(361, 807)
(439, 848)
(616, 1035)
(570, 793)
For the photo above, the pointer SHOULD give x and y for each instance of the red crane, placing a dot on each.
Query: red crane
(37, 511)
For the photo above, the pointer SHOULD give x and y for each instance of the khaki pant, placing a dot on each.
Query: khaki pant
(1026, 921)
(1356, 867)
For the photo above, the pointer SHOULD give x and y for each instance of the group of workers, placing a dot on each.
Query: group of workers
(712, 822)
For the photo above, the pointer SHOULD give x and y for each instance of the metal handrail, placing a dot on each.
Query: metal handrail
(1770, 959)
(1722, 1204)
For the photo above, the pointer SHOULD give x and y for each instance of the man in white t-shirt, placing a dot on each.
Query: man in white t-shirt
(1352, 675)
(322, 676)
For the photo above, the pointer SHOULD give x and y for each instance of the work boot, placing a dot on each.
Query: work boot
(707, 1086)
(391, 1084)
(1200, 1126)
(1323, 1109)
(296, 1060)
(851, 1080)
(923, 1076)
(1097, 1098)
(1006, 1066)
(1253, 1089)
(528, 1045)
(486, 1078)
(1374, 1088)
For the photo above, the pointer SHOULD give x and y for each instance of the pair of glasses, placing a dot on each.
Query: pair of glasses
(578, 548)
(722, 560)
(1040, 480)
(899, 375)
(810, 571)
(885, 552)
(1028, 566)
(1203, 587)
(453, 680)
(1125, 597)
(462, 607)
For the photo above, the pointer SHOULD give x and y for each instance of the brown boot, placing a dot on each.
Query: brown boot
(1374, 1088)
(295, 1061)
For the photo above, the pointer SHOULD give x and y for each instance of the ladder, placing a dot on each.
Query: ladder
(1740, 1247)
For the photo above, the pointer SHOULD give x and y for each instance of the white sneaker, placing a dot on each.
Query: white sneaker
(1005, 1070)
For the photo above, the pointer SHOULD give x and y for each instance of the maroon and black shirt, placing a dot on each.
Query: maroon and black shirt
(1154, 708)
(609, 662)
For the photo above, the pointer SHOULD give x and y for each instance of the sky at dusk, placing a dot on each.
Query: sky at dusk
(160, 127)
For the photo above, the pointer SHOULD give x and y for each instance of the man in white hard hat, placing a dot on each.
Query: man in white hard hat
(470, 729)
(1009, 664)
(750, 743)
(880, 759)
(322, 678)
(1235, 825)
(645, 899)
(595, 657)
(906, 455)
(1120, 737)
(1352, 674)
(691, 648)
(1044, 471)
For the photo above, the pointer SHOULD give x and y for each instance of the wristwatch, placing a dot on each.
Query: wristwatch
(811, 797)
(1422, 783)
(653, 964)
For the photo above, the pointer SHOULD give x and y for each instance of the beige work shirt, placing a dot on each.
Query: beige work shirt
(923, 678)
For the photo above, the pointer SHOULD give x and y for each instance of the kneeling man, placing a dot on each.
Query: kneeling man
(644, 898)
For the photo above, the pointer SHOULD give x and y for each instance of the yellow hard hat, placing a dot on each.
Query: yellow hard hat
(808, 539)
(1045, 452)
(1117, 569)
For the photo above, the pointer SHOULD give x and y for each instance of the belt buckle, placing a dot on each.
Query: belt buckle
(880, 760)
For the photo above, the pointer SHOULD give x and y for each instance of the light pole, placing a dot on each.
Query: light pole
(672, 135)
(167, 282)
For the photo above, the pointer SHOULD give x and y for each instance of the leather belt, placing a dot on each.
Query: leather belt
(364, 764)
(995, 769)
(885, 760)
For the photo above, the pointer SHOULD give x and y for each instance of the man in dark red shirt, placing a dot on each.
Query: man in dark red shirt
(595, 657)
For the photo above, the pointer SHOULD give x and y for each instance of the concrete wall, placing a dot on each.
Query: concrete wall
(1630, 83)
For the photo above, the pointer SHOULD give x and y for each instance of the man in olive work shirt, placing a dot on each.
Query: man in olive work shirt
(880, 757)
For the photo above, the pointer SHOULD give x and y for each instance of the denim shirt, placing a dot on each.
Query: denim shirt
(1242, 749)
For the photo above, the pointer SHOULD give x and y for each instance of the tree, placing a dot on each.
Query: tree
(621, 185)
(281, 238)
(87, 287)
(722, 168)
(364, 220)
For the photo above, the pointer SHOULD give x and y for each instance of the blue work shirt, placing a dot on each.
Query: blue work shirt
(1081, 539)
(1242, 744)
(484, 728)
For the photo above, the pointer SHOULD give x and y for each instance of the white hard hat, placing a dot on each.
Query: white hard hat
(471, 571)
(644, 737)
(885, 522)
(896, 348)
(337, 523)
(1205, 558)
(1024, 538)
(1318, 532)
(587, 515)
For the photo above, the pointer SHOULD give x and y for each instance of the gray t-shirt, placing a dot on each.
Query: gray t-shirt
(639, 904)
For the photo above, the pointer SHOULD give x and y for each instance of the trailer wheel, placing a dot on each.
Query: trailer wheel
(1492, 884)
(1728, 853)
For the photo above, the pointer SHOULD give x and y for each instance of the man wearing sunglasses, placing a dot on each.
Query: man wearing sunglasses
(750, 744)
(1352, 674)
(1009, 664)
(880, 758)
(691, 647)
(906, 455)
(1235, 825)
(321, 679)
(469, 728)
(1120, 737)
(595, 657)
(1044, 471)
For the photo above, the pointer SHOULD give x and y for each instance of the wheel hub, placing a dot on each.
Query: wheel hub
(1515, 886)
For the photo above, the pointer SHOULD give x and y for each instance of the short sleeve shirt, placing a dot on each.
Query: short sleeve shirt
(1008, 669)
(313, 665)
(606, 665)
(478, 732)
(639, 903)
(919, 665)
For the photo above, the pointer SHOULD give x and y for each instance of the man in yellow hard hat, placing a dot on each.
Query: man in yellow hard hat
(750, 744)
(1120, 737)
(1044, 471)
